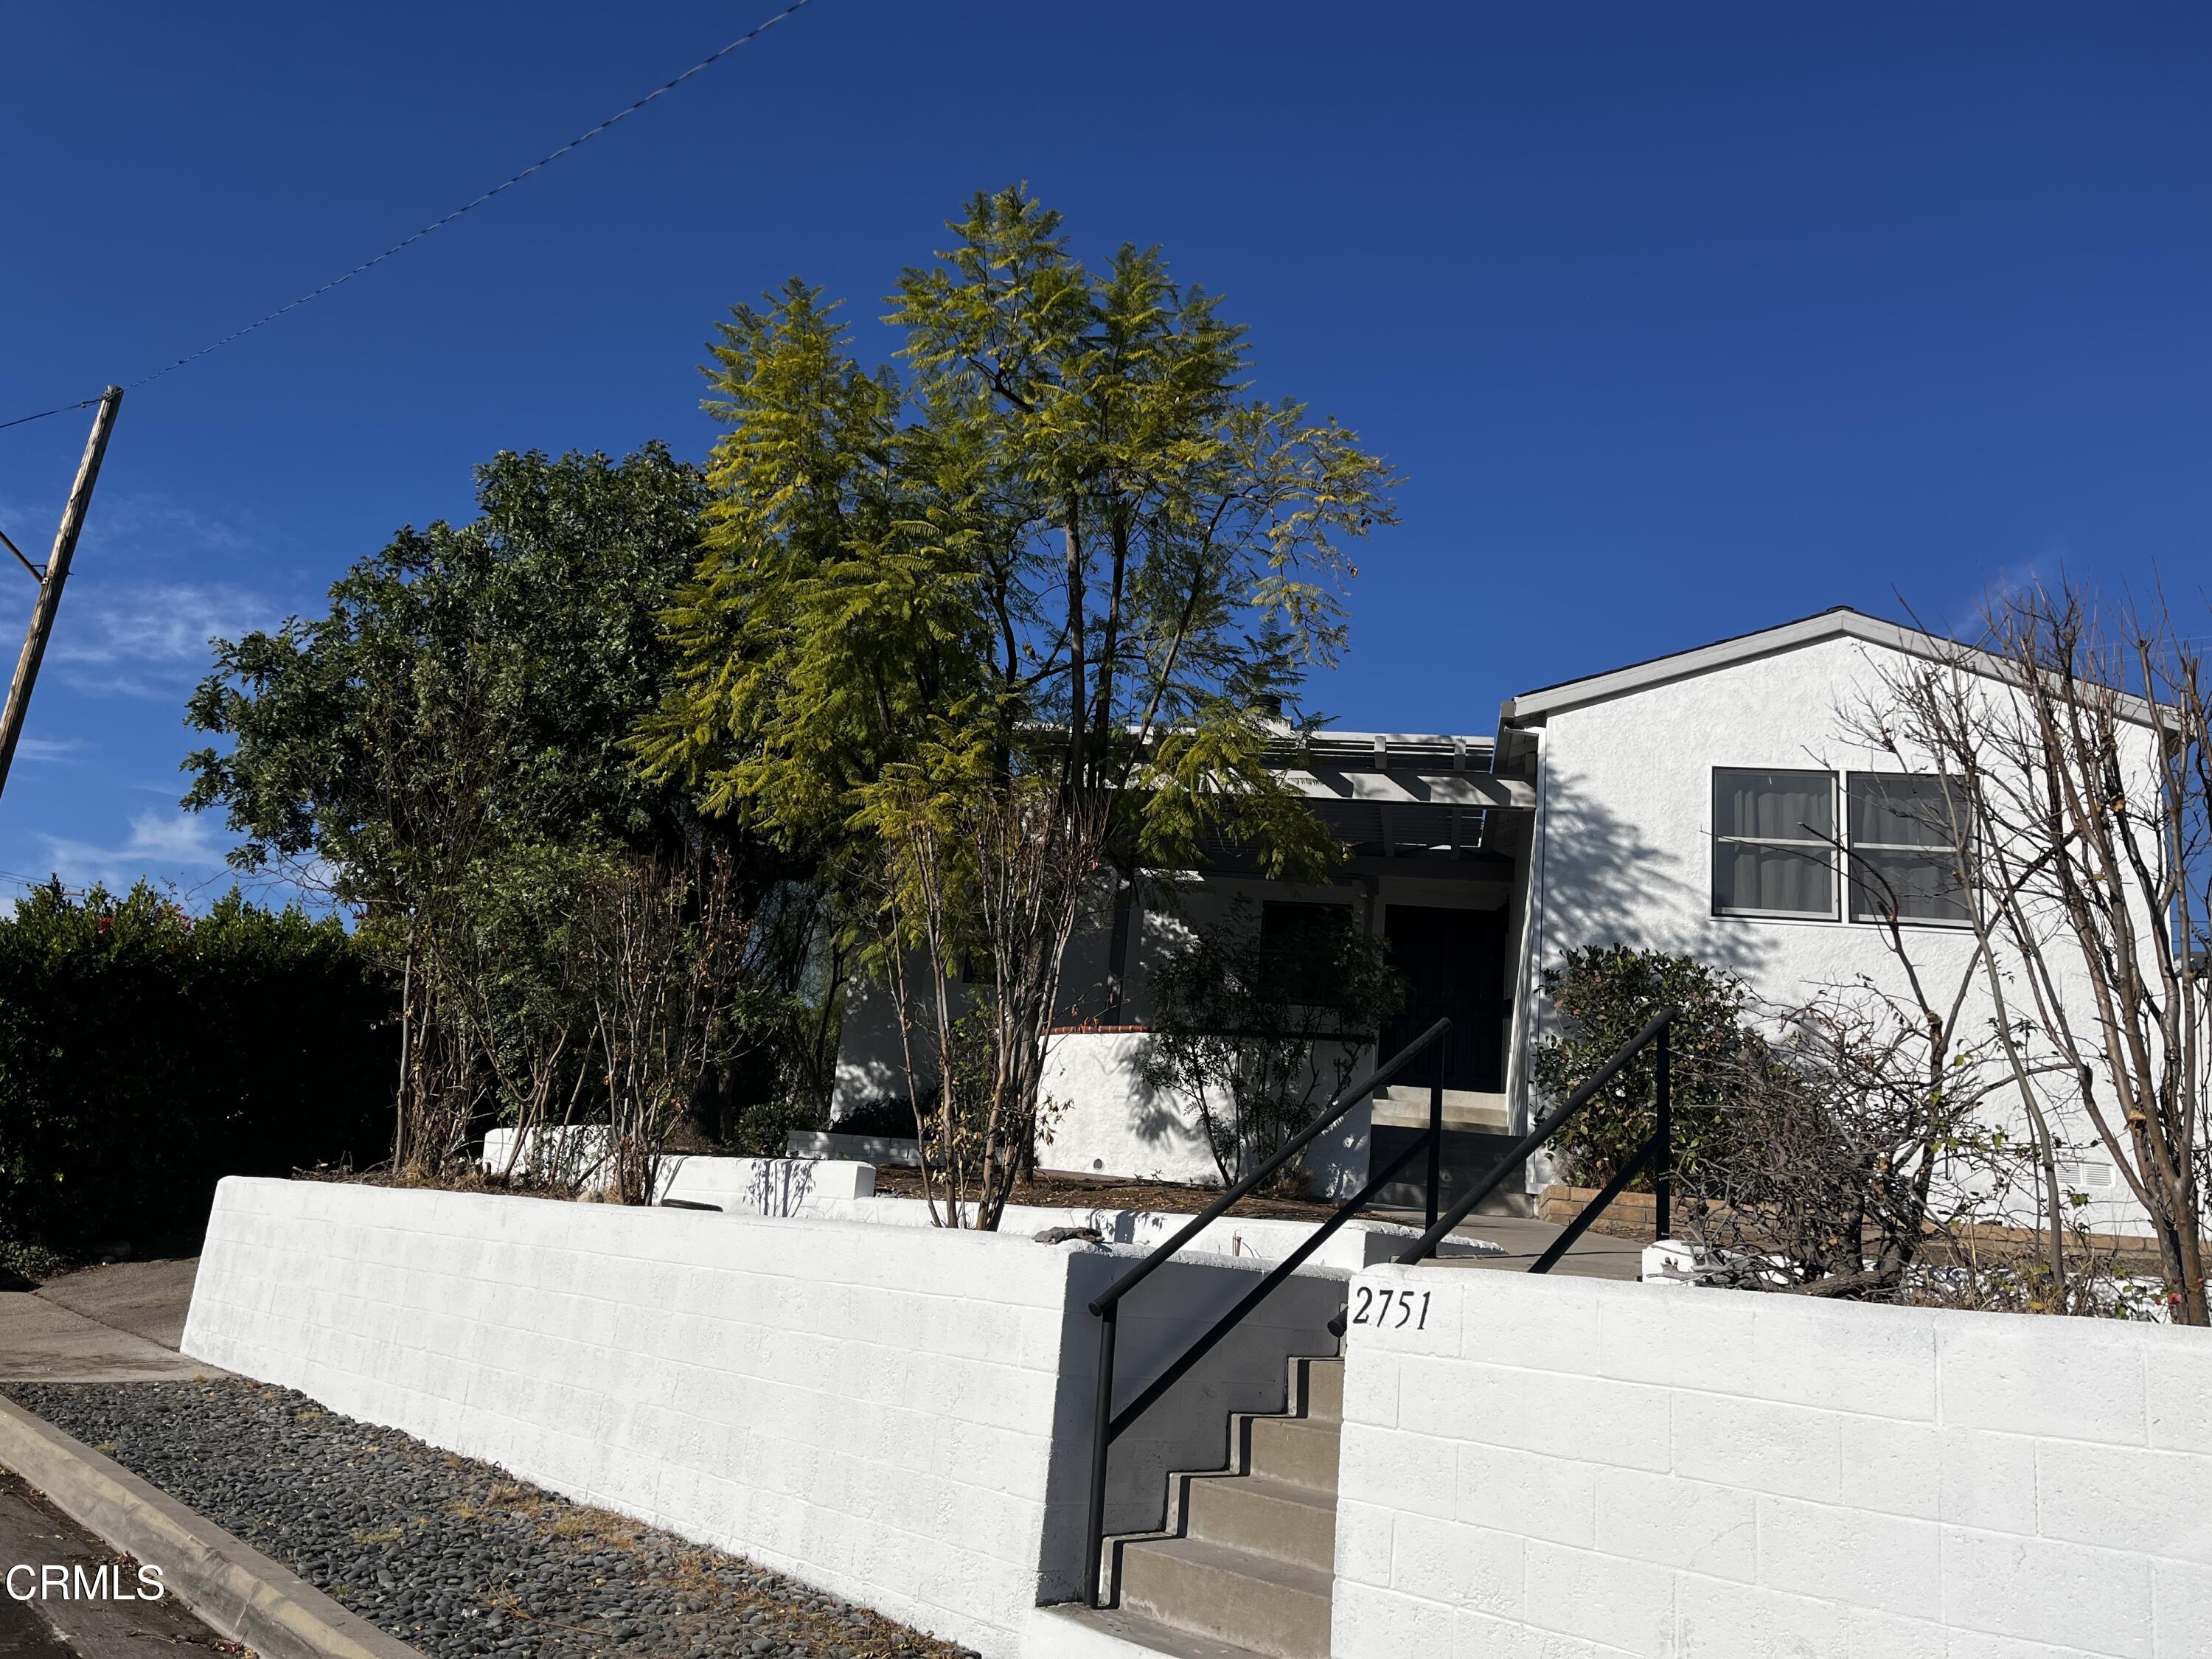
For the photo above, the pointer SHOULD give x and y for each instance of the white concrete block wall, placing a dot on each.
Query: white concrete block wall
(1253, 1240)
(899, 1416)
(765, 1186)
(759, 1186)
(1574, 1469)
(868, 1149)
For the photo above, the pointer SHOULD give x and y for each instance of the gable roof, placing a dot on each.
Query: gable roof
(1839, 621)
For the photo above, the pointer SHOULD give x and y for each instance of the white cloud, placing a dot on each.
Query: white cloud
(49, 748)
(142, 522)
(160, 845)
(2000, 588)
(128, 626)
(127, 524)
(141, 638)
(154, 624)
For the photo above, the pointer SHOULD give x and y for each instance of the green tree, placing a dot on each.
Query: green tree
(1026, 609)
(448, 749)
(492, 671)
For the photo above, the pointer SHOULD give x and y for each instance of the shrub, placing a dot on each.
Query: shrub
(1253, 1031)
(145, 1053)
(1604, 995)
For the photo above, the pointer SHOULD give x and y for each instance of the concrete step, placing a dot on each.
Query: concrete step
(1260, 1516)
(1401, 1108)
(1295, 1450)
(1319, 1390)
(1272, 1608)
(1072, 1630)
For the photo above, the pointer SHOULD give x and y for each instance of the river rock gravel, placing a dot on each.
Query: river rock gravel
(450, 1555)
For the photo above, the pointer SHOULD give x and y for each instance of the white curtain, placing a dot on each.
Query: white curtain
(1766, 873)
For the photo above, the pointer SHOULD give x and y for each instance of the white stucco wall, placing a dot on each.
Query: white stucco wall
(1103, 1120)
(876, 1149)
(1627, 817)
(563, 1152)
(899, 1416)
(1585, 1470)
(1624, 839)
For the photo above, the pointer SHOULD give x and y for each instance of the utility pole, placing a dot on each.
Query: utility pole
(52, 578)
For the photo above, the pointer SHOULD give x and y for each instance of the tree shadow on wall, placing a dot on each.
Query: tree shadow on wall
(780, 1186)
(1606, 883)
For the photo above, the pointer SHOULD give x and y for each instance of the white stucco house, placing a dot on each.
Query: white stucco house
(1658, 806)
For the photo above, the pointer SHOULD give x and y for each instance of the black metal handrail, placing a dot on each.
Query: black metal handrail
(1659, 1147)
(1107, 1423)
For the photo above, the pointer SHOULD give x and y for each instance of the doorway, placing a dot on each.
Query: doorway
(1453, 962)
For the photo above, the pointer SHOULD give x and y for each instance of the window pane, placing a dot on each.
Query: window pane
(1774, 805)
(1901, 811)
(1746, 877)
(1922, 889)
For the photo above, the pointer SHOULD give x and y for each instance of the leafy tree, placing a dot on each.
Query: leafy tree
(146, 1052)
(1605, 994)
(1024, 610)
(448, 749)
(483, 674)
(1250, 1029)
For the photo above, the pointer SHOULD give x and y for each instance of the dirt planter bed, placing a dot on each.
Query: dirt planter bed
(446, 1553)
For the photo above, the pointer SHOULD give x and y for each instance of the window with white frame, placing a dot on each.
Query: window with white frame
(1774, 843)
(1904, 845)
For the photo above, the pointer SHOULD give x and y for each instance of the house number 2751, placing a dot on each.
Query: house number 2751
(1392, 1310)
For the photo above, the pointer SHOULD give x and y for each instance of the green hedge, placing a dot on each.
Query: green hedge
(146, 1052)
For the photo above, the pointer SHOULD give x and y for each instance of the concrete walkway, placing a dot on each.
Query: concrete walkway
(1594, 1255)
(115, 1324)
(146, 1298)
(1524, 1238)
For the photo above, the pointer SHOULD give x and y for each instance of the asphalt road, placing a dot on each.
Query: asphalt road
(107, 1324)
(34, 1534)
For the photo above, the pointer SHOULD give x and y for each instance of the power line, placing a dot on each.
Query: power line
(63, 408)
(542, 162)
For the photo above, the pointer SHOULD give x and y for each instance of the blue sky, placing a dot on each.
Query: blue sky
(1678, 319)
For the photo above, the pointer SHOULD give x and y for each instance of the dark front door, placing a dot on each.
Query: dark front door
(1453, 962)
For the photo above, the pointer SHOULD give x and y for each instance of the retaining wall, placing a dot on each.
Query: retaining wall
(901, 1416)
(1581, 1469)
(764, 1186)
(760, 1186)
(1104, 1121)
(870, 1149)
(1354, 1245)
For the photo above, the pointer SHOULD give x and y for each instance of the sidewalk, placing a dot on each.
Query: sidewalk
(114, 1324)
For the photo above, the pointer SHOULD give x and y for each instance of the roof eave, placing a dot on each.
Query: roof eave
(1531, 708)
